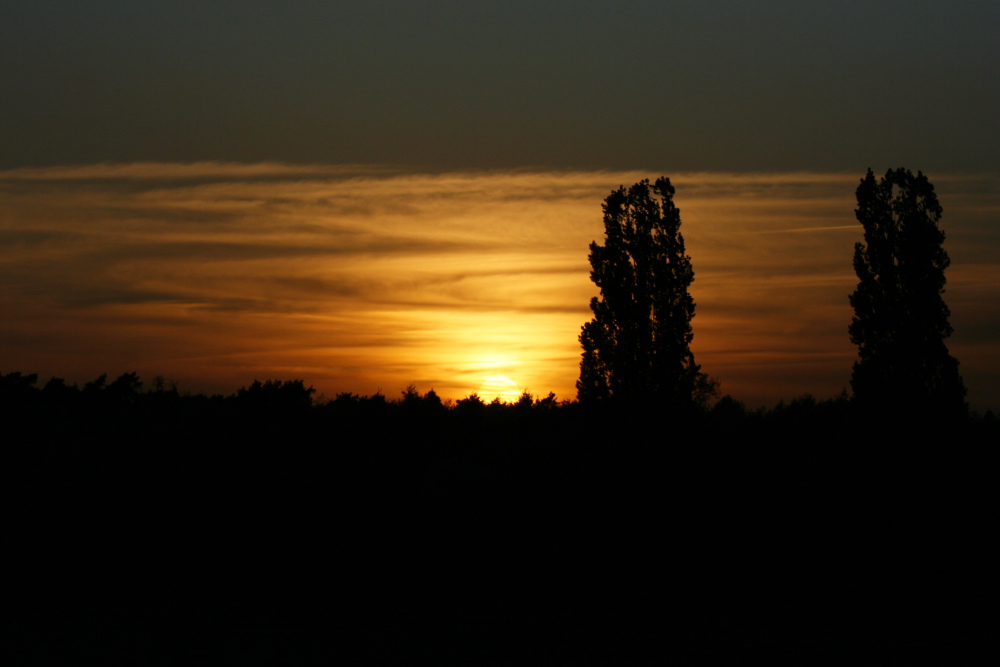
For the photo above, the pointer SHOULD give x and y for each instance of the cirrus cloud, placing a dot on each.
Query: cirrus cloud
(357, 278)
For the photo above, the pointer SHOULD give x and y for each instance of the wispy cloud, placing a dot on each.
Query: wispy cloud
(359, 277)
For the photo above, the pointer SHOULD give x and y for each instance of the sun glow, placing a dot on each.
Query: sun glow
(493, 371)
(214, 275)
(499, 386)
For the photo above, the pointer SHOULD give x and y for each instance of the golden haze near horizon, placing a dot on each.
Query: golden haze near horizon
(360, 279)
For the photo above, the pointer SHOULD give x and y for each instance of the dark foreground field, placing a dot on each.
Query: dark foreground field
(159, 529)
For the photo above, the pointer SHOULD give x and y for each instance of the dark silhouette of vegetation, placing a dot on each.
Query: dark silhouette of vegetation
(270, 395)
(637, 347)
(269, 526)
(900, 318)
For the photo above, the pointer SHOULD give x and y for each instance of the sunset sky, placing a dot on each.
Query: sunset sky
(368, 195)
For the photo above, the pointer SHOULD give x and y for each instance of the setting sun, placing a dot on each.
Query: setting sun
(437, 294)
(408, 331)
(499, 386)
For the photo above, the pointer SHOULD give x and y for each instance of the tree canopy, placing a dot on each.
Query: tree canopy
(638, 344)
(900, 318)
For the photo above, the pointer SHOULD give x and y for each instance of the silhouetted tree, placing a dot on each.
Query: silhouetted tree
(276, 395)
(413, 403)
(96, 386)
(900, 318)
(547, 403)
(125, 388)
(57, 390)
(638, 344)
(16, 385)
(410, 395)
(432, 400)
(470, 404)
(525, 401)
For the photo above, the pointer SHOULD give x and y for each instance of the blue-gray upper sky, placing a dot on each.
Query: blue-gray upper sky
(442, 85)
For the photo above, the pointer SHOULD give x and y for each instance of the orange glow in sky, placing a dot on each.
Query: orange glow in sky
(368, 279)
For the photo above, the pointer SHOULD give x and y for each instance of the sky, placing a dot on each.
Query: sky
(368, 195)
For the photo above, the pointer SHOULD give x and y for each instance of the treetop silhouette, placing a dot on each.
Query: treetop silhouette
(637, 347)
(900, 318)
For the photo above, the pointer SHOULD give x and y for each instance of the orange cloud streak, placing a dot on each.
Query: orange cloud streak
(362, 278)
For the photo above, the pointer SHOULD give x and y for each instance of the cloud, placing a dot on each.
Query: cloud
(358, 277)
(167, 172)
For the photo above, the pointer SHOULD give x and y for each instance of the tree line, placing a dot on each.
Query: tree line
(641, 521)
(636, 351)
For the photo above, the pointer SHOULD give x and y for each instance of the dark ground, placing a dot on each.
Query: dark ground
(159, 529)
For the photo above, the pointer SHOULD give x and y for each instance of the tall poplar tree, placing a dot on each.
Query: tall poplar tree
(637, 347)
(900, 318)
